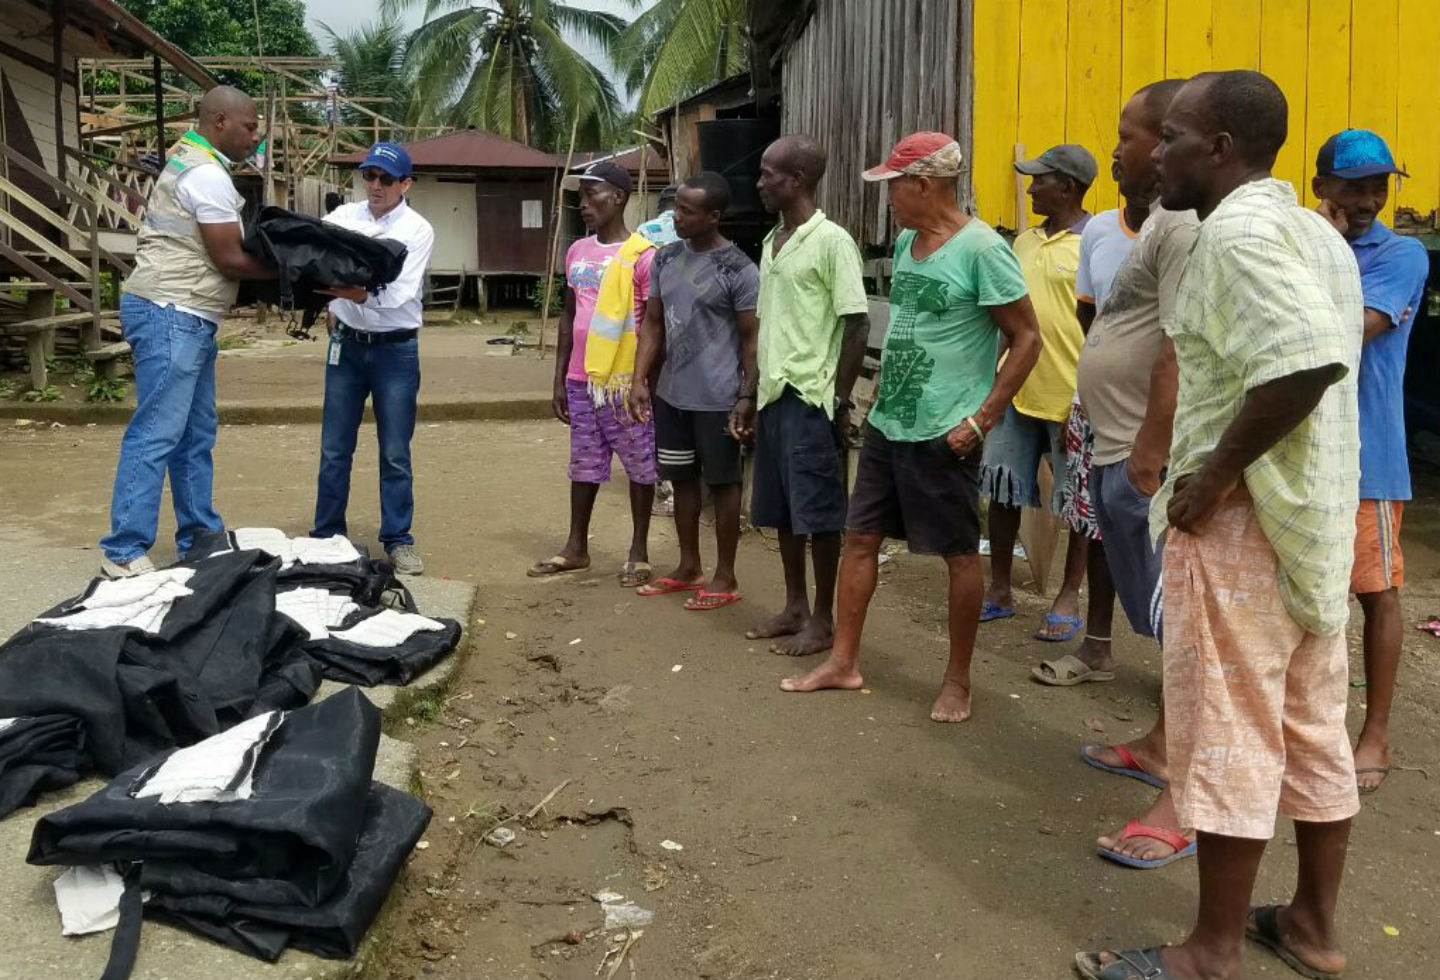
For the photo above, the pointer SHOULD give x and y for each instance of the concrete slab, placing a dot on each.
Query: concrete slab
(36, 576)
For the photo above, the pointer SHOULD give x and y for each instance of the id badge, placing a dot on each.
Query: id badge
(333, 356)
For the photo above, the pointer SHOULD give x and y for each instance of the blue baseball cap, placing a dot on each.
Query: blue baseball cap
(1354, 153)
(389, 157)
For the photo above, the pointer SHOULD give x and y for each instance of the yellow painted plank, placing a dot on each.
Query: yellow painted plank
(1327, 73)
(1043, 33)
(1374, 73)
(1417, 132)
(1142, 46)
(1092, 104)
(1236, 28)
(1284, 51)
(1188, 39)
(996, 47)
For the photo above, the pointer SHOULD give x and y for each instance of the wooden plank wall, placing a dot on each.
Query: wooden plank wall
(863, 74)
(1052, 71)
(35, 92)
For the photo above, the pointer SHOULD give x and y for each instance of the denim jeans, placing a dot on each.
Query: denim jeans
(173, 429)
(389, 374)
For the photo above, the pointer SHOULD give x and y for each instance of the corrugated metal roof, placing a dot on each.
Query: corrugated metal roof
(470, 148)
(629, 159)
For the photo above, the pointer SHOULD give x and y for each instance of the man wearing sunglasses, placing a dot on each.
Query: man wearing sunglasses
(374, 353)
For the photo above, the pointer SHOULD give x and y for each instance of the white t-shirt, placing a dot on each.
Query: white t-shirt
(1104, 244)
(207, 192)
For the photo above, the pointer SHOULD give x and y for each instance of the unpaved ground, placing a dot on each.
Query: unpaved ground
(835, 835)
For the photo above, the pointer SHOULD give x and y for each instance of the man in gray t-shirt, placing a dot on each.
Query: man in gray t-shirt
(700, 334)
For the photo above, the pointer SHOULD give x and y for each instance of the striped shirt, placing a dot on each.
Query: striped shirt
(1272, 289)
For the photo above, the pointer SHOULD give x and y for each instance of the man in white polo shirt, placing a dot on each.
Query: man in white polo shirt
(374, 353)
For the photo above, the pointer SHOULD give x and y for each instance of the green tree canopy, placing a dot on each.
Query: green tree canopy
(678, 47)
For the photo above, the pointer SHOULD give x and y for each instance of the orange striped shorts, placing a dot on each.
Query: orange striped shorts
(1379, 563)
(1254, 704)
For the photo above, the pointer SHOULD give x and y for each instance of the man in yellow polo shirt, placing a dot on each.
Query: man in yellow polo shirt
(1034, 423)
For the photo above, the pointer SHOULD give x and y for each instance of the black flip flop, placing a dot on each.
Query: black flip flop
(1263, 926)
(1132, 964)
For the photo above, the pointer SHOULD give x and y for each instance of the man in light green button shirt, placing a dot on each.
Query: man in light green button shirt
(813, 325)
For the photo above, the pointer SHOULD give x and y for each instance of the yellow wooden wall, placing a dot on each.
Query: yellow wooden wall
(1058, 71)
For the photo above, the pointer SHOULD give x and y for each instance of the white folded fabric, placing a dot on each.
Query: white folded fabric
(88, 896)
(7, 722)
(141, 602)
(316, 610)
(335, 550)
(387, 628)
(217, 770)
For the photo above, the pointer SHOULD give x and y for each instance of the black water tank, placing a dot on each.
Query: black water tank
(732, 147)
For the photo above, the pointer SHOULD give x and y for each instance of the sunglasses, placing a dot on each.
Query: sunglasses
(372, 175)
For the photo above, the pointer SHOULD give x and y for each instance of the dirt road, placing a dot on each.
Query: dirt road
(838, 835)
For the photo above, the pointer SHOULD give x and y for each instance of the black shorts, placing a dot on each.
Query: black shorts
(799, 481)
(917, 492)
(693, 445)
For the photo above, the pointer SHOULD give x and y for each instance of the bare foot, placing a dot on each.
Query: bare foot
(816, 637)
(1150, 756)
(1372, 764)
(787, 622)
(952, 704)
(829, 676)
(1161, 814)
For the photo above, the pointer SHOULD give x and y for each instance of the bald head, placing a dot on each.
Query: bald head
(226, 117)
(790, 170)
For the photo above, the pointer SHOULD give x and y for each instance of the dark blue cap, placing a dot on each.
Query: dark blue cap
(389, 157)
(1354, 153)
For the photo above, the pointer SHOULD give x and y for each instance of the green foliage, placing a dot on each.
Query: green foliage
(204, 28)
(234, 341)
(508, 67)
(678, 47)
(49, 393)
(557, 294)
(101, 389)
(372, 60)
(7, 388)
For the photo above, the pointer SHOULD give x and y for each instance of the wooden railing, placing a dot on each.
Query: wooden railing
(79, 223)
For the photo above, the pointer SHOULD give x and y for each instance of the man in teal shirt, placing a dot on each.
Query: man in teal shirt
(814, 318)
(957, 289)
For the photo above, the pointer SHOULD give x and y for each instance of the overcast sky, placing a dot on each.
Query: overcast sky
(346, 15)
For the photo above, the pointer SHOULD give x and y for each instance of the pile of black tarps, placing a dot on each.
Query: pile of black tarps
(119, 677)
(306, 860)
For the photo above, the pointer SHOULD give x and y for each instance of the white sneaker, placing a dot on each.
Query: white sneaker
(114, 569)
(406, 560)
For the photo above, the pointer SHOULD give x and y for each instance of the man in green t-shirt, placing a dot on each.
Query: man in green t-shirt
(957, 289)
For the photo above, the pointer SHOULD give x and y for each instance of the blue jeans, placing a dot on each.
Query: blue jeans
(389, 374)
(173, 429)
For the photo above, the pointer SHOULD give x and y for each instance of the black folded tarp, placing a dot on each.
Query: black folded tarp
(305, 861)
(221, 655)
(38, 754)
(310, 254)
(355, 663)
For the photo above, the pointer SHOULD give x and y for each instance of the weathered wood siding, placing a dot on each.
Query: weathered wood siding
(863, 74)
(1053, 71)
(35, 94)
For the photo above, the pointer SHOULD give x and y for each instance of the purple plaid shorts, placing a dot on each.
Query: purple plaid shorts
(598, 433)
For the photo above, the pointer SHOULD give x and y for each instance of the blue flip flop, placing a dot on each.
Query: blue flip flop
(1183, 848)
(992, 611)
(1052, 619)
(1132, 767)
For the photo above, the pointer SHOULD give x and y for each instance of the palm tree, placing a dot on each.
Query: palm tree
(509, 67)
(678, 47)
(371, 63)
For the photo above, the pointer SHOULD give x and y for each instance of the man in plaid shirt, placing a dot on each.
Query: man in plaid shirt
(1260, 509)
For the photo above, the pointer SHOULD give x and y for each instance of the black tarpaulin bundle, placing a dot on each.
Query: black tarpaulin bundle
(306, 860)
(164, 660)
(309, 254)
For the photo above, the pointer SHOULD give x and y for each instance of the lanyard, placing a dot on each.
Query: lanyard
(201, 143)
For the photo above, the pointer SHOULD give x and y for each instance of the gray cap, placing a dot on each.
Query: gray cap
(1070, 159)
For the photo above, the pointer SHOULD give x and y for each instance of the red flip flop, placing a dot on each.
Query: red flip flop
(665, 585)
(706, 601)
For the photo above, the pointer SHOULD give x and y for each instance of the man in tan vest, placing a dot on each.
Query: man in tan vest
(188, 264)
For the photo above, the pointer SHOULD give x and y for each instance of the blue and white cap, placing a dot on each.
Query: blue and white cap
(1354, 153)
(389, 157)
